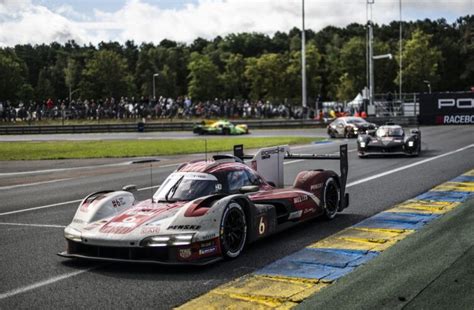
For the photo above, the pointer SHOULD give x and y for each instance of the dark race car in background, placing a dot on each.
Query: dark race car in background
(206, 210)
(350, 127)
(390, 140)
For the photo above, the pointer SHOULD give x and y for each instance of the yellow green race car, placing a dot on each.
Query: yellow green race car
(220, 127)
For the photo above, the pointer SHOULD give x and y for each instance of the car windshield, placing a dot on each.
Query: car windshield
(186, 186)
(355, 120)
(389, 132)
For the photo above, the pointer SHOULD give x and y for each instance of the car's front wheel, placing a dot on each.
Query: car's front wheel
(233, 230)
(330, 198)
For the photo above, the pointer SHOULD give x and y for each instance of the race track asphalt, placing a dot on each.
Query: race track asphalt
(34, 277)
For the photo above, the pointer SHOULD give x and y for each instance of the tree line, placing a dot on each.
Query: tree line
(246, 65)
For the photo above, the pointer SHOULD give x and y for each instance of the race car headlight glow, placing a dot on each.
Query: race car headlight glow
(162, 241)
(362, 144)
(411, 143)
(72, 234)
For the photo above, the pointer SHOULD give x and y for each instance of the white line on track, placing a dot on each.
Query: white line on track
(59, 204)
(44, 283)
(6, 174)
(31, 184)
(408, 166)
(62, 169)
(41, 207)
(33, 225)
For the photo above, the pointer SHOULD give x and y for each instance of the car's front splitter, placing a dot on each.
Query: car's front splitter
(201, 262)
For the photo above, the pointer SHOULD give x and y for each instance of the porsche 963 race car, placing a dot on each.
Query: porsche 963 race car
(390, 140)
(350, 127)
(206, 210)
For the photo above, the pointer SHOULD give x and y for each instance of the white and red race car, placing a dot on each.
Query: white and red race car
(205, 210)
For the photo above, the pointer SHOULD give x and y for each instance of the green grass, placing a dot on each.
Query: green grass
(133, 148)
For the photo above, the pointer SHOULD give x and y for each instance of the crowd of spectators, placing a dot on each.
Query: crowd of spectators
(139, 108)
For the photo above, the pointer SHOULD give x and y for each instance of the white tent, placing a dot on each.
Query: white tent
(356, 102)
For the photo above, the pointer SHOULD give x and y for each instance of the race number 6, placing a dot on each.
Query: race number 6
(261, 226)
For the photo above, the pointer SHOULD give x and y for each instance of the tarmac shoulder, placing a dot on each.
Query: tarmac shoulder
(430, 269)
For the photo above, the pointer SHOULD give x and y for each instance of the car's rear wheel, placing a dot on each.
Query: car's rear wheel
(233, 231)
(226, 131)
(330, 198)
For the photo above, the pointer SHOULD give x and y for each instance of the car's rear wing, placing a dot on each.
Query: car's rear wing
(269, 162)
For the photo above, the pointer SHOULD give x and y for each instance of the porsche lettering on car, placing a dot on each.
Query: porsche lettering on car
(206, 210)
(220, 127)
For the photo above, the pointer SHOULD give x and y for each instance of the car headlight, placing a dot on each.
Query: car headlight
(168, 240)
(72, 234)
(411, 143)
(362, 144)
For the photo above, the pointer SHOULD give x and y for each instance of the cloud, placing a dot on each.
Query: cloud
(26, 22)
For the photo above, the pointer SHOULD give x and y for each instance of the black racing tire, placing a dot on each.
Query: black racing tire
(200, 131)
(330, 198)
(233, 230)
(347, 135)
(226, 131)
(331, 134)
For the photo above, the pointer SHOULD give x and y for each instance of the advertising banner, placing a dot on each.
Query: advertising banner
(447, 108)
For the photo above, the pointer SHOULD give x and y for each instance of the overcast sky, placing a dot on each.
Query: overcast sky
(92, 21)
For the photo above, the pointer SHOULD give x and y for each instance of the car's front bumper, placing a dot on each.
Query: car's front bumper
(193, 254)
(386, 152)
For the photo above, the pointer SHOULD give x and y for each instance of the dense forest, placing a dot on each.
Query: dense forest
(245, 65)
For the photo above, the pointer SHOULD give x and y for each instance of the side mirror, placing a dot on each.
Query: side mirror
(414, 131)
(249, 189)
(132, 188)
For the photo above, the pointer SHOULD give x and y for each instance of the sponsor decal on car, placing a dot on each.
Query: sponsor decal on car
(295, 215)
(184, 227)
(316, 186)
(118, 202)
(300, 199)
(184, 253)
(211, 236)
(150, 230)
(206, 251)
(92, 226)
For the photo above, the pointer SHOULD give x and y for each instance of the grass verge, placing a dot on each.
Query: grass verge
(133, 148)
